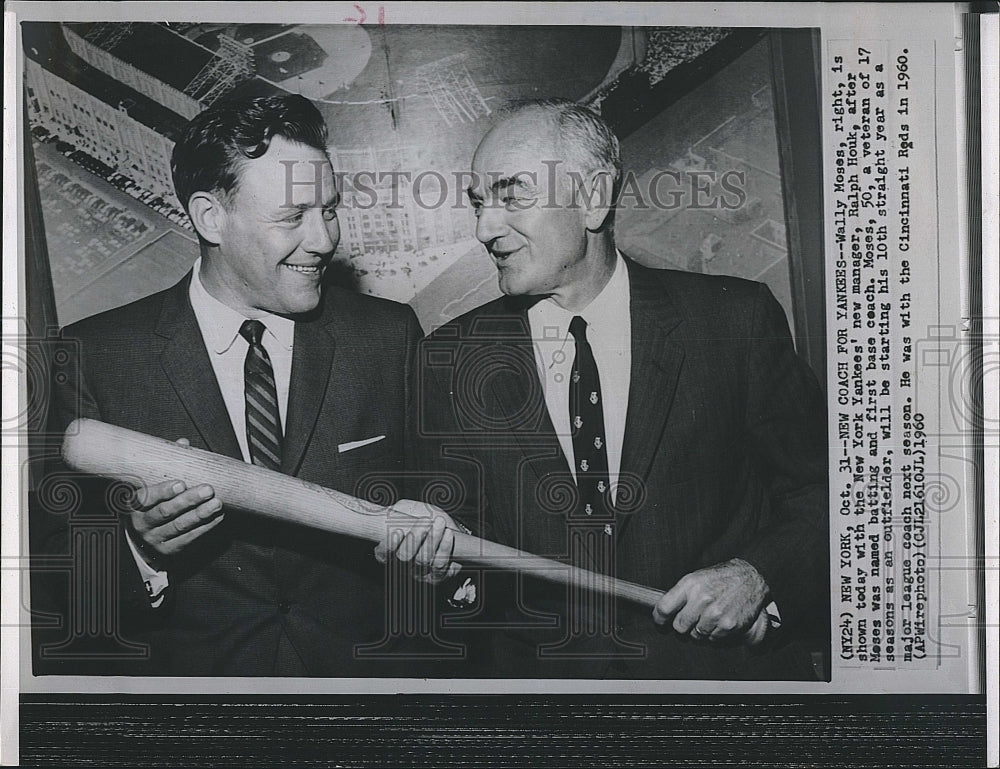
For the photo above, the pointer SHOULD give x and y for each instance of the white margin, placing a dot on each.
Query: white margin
(990, 147)
(11, 492)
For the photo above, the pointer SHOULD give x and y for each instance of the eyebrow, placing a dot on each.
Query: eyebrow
(333, 201)
(503, 183)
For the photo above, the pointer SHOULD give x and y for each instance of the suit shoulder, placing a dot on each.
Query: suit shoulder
(379, 316)
(365, 303)
(138, 316)
(493, 309)
(727, 304)
(501, 316)
(696, 287)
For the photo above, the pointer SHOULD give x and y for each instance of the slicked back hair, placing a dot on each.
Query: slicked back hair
(217, 142)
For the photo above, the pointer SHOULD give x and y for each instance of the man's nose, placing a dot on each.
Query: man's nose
(322, 237)
(491, 223)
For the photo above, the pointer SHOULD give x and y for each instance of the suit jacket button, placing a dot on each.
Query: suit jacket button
(284, 607)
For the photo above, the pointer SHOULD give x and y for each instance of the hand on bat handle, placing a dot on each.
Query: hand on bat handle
(168, 516)
(722, 601)
(427, 542)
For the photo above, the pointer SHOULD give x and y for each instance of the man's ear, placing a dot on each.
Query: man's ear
(598, 199)
(208, 215)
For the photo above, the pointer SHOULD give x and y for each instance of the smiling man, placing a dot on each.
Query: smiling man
(251, 356)
(650, 424)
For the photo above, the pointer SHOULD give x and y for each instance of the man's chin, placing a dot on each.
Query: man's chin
(301, 305)
(510, 285)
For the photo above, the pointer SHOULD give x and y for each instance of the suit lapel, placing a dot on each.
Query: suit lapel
(186, 364)
(312, 370)
(657, 358)
(520, 396)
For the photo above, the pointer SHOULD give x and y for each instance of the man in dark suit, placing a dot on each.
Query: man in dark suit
(249, 356)
(649, 424)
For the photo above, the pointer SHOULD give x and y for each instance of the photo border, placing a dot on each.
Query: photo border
(593, 728)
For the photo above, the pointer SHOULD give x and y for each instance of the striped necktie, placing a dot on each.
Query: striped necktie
(263, 418)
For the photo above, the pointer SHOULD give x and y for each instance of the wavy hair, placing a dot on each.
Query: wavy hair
(217, 142)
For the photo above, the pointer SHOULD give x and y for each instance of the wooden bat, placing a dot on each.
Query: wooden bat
(98, 448)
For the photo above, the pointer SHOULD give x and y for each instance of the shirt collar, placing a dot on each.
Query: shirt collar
(613, 300)
(603, 311)
(220, 324)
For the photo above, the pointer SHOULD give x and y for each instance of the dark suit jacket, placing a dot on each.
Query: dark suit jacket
(252, 597)
(724, 456)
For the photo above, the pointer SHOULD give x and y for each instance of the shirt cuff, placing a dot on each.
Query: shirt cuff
(773, 615)
(156, 581)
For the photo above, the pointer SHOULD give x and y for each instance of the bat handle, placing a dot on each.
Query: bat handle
(470, 549)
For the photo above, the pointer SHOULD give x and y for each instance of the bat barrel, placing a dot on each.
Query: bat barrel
(114, 452)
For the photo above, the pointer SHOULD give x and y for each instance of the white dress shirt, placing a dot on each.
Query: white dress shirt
(227, 350)
(609, 332)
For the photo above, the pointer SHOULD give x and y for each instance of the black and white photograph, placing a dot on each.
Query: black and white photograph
(381, 350)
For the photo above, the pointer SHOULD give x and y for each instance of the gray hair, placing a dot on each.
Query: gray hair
(583, 135)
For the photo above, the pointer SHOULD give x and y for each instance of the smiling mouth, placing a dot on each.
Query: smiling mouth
(502, 256)
(304, 269)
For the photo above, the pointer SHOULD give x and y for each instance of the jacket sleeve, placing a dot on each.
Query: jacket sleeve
(89, 603)
(785, 422)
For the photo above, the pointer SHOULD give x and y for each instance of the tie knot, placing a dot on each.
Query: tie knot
(578, 328)
(252, 331)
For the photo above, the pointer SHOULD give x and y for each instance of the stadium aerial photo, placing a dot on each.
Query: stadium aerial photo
(406, 106)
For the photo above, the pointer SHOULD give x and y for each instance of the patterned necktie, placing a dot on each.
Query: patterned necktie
(263, 419)
(586, 414)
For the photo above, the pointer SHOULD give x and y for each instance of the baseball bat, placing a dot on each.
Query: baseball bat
(98, 448)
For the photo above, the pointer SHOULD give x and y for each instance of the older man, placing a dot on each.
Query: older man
(250, 356)
(651, 424)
